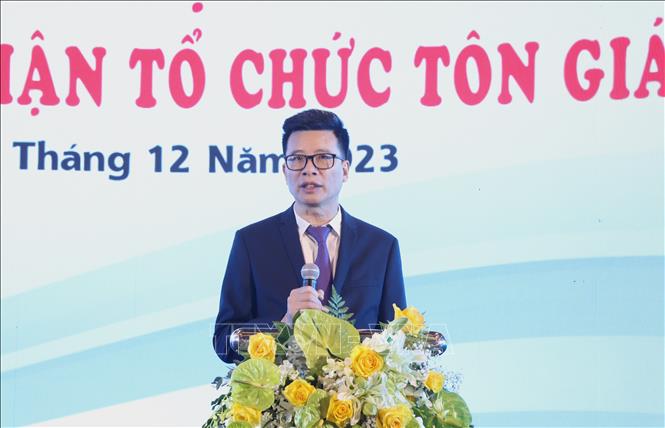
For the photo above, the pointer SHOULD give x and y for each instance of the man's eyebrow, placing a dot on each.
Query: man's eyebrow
(302, 152)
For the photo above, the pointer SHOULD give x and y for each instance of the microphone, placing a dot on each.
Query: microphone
(310, 273)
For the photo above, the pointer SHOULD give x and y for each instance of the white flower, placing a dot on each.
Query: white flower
(378, 342)
(398, 339)
(287, 371)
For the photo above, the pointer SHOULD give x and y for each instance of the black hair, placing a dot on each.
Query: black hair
(317, 120)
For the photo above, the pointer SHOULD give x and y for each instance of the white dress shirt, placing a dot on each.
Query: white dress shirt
(309, 246)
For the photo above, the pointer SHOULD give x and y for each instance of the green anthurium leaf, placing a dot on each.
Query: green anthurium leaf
(307, 417)
(251, 396)
(319, 400)
(253, 383)
(452, 410)
(257, 372)
(315, 398)
(320, 336)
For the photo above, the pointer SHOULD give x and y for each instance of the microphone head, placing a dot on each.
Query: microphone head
(310, 271)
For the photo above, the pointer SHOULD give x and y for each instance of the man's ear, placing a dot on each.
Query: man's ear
(345, 170)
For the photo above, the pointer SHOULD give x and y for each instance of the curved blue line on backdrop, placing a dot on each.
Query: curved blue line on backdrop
(144, 285)
(582, 297)
(601, 297)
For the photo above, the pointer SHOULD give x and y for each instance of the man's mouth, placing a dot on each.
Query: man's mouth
(309, 186)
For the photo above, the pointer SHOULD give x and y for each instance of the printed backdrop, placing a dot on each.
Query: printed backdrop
(515, 150)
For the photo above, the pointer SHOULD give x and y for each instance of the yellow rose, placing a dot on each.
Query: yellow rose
(394, 417)
(262, 346)
(434, 381)
(339, 411)
(241, 413)
(416, 320)
(365, 361)
(298, 392)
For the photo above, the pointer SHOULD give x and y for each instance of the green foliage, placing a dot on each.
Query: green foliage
(320, 336)
(307, 417)
(284, 333)
(256, 372)
(397, 324)
(218, 381)
(451, 410)
(239, 424)
(251, 396)
(253, 383)
(337, 307)
(429, 417)
(214, 421)
(315, 337)
(318, 398)
(220, 407)
(412, 424)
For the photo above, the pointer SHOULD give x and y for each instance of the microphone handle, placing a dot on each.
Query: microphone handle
(309, 283)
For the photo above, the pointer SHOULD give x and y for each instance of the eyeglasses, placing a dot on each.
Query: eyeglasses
(320, 161)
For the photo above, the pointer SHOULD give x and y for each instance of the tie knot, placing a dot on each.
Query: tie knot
(320, 233)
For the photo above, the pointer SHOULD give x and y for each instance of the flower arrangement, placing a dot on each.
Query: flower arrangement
(319, 374)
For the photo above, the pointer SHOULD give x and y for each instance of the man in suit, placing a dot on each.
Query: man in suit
(262, 283)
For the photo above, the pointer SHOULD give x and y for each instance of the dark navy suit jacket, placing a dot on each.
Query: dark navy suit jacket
(264, 266)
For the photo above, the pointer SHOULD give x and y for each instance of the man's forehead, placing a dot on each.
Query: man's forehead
(313, 135)
(318, 141)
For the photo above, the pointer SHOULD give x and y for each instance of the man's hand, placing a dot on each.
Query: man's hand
(303, 298)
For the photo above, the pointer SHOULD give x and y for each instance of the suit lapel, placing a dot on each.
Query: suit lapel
(346, 247)
(289, 230)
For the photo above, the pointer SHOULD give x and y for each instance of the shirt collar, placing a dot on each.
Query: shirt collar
(335, 223)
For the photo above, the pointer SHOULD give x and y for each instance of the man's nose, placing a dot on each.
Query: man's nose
(310, 169)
